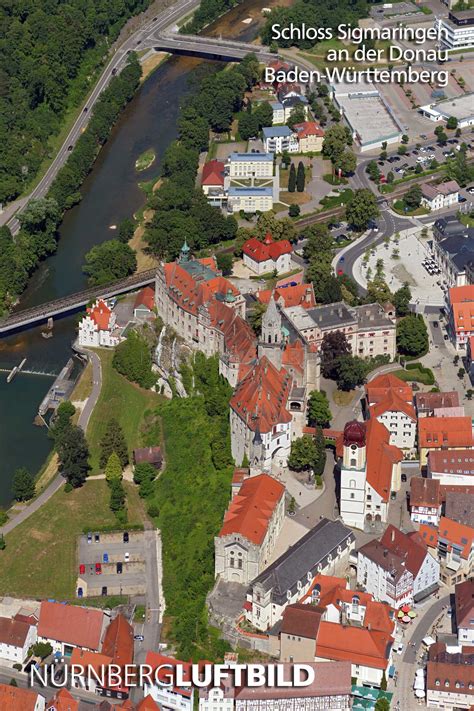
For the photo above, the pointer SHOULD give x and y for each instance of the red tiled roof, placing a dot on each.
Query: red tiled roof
(392, 402)
(302, 620)
(252, 508)
(260, 398)
(464, 599)
(462, 305)
(293, 356)
(13, 632)
(62, 701)
(190, 293)
(308, 128)
(148, 704)
(14, 698)
(100, 314)
(118, 641)
(456, 461)
(450, 531)
(377, 388)
(434, 401)
(424, 492)
(369, 648)
(145, 297)
(269, 249)
(78, 626)
(213, 173)
(448, 675)
(208, 262)
(437, 432)
(381, 456)
(299, 295)
(156, 660)
(239, 338)
(411, 549)
(95, 660)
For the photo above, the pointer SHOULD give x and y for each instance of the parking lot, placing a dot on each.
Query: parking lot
(111, 564)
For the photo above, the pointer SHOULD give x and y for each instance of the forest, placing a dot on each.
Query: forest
(207, 12)
(50, 52)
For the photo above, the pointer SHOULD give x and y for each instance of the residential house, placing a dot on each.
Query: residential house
(251, 525)
(249, 199)
(325, 549)
(432, 404)
(293, 295)
(165, 695)
(449, 679)
(278, 139)
(98, 327)
(333, 623)
(66, 627)
(377, 388)
(267, 256)
(90, 660)
(278, 112)
(398, 417)
(260, 417)
(453, 250)
(464, 612)
(250, 165)
(212, 179)
(425, 500)
(15, 698)
(454, 545)
(451, 467)
(310, 137)
(370, 470)
(398, 569)
(16, 637)
(144, 305)
(438, 197)
(291, 100)
(62, 701)
(461, 315)
(437, 434)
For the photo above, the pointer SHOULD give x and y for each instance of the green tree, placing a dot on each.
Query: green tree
(248, 126)
(303, 454)
(62, 421)
(255, 317)
(412, 336)
(143, 472)
(336, 140)
(319, 413)
(224, 262)
(113, 468)
(333, 346)
(294, 211)
(390, 177)
(401, 300)
(300, 177)
(113, 441)
(264, 114)
(109, 261)
(126, 230)
(285, 159)
(132, 358)
(373, 171)
(297, 115)
(405, 139)
(292, 179)
(350, 372)
(452, 123)
(117, 496)
(412, 197)
(382, 704)
(23, 485)
(41, 649)
(73, 455)
(362, 208)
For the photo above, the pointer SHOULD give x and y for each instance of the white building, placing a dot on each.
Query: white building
(456, 32)
(98, 327)
(452, 467)
(16, 637)
(438, 197)
(250, 165)
(267, 256)
(278, 112)
(398, 569)
(464, 612)
(399, 418)
(251, 199)
(449, 679)
(425, 500)
(277, 139)
(460, 107)
(166, 695)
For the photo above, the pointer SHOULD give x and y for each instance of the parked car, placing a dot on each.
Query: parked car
(89, 538)
(105, 558)
(435, 323)
(119, 568)
(400, 648)
(70, 148)
(98, 568)
(96, 538)
(126, 557)
(125, 537)
(82, 569)
(138, 637)
(404, 477)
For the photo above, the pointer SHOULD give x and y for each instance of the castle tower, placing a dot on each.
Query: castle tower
(185, 252)
(353, 474)
(256, 453)
(354, 456)
(271, 323)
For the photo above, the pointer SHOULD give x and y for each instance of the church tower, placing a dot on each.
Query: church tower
(271, 323)
(353, 474)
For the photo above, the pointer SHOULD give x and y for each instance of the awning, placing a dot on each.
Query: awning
(428, 641)
(426, 592)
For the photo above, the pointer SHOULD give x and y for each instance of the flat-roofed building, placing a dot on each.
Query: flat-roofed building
(251, 199)
(250, 165)
(456, 31)
(460, 107)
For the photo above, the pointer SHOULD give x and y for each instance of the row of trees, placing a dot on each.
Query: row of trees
(40, 220)
(179, 208)
(50, 55)
(296, 178)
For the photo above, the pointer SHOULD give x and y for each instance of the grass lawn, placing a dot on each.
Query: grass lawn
(336, 200)
(467, 220)
(146, 159)
(122, 400)
(40, 557)
(342, 398)
(415, 375)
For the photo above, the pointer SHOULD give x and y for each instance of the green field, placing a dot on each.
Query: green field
(40, 557)
(121, 400)
(416, 375)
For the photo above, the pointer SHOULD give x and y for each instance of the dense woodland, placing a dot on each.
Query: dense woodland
(49, 53)
(207, 12)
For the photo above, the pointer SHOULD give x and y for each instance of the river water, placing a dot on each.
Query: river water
(110, 193)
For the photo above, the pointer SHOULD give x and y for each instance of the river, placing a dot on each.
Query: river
(110, 193)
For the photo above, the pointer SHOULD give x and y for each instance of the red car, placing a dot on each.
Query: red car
(98, 569)
(340, 271)
(82, 569)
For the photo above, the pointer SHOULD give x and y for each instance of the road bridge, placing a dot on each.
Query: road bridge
(73, 302)
(207, 47)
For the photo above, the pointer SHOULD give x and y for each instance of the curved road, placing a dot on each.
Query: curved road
(58, 480)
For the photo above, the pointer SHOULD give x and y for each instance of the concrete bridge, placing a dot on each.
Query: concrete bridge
(207, 47)
(73, 302)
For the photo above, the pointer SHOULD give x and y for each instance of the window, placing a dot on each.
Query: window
(352, 484)
(353, 462)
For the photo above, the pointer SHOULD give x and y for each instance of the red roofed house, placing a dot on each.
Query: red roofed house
(310, 136)
(451, 467)
(333, 623)
(144, 303)
(398, 569)
(14, 698)
(371, 469)
(398, 417)
(298, 295)
(443, 433)
(454, 543)
(97, 328)
(461, 315)
(250, 528)
(168, 696)
(377, 388)
(260, 421)
(449, 679)
(192, 297)
(425, 500)
(212, 181)
(264, 257)
(68, 626)
(16, 637)
(62, 701)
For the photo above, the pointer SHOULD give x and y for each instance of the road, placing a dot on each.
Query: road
(115, 64)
